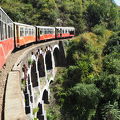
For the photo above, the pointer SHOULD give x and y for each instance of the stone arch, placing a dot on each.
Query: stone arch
(41, 67)
(30, 89)
(34, 77)
(48, 60)
(45, 96)
(55, 46)
(40, 111)
(56, 54)
(25, 89)
(27, 101)
(41, 115)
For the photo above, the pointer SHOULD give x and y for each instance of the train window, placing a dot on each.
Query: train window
(2, 36)
(53, 31)
(0, 14)
(65, 31)
(29, 32)
(50, 31)
(12, 31)
(5, 31)
(45, 32)
(0, 31)
(32, 31)
(26, 31)
(41, 31)
(9, 31)
(62, 31)
(21, 31)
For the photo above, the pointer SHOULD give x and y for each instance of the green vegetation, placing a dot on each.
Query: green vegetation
(23, 84)
(35, 110)
(30, 61)
(89, 87)
(82, 14)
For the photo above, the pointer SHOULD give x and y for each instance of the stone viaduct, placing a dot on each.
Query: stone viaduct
(28, 82)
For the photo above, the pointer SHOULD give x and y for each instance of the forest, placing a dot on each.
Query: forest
(88, 88)
(82, 14)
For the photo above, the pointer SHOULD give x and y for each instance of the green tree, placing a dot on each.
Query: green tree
(111, 63)
(80, 101)
(110, 89)
(113, 45)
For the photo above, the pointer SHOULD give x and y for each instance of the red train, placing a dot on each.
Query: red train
(14, 34)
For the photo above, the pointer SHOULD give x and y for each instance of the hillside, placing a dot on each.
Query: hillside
(88, 88)
(82, 14)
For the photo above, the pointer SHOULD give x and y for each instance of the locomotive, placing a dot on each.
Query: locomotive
(14, 35)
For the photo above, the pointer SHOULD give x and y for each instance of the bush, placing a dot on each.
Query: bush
(111, 63)
(113, 45)
(81, 99)
(99, 30)
(51, 115)
(109, 86)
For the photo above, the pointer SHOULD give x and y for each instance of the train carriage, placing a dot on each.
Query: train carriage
(24, 34)
(13, 34)
(45, 33)
(6, 37)
(64, 32)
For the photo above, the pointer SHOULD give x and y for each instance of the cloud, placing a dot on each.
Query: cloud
(117, 2)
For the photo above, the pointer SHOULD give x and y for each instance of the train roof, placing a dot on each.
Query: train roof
(23, 24)
(65, 27)
(45, 27)
(6, 14)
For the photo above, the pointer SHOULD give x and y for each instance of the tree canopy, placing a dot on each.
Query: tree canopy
(82, 14)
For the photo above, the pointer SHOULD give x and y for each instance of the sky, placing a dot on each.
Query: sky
(117, 2)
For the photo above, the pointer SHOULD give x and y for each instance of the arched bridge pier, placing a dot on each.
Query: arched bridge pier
(28, 82)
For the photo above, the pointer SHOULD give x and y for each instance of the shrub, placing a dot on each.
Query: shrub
(111, 63)
(99, 29)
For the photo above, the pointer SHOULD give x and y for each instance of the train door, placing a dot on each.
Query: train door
(36, 33)
(56, 32)
(16, 35)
